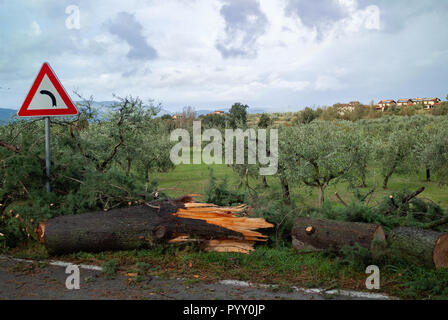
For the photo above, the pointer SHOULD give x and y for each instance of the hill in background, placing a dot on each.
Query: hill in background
(6, 114)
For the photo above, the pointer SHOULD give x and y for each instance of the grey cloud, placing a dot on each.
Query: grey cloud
(245, 23)
(317, 12)
(127, 28)
(322, 14)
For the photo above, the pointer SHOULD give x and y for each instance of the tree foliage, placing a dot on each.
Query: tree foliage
(99, 161)
(320, 153)
(238, 115)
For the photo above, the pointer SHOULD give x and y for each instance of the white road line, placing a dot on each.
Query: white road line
(345, 293)
(57, 263)
(81, 266)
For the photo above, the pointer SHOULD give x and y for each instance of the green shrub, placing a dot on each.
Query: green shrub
(273, 209)
(143, 267)
(219, 194)
(415, 213)
(421, 283)
(110, 268)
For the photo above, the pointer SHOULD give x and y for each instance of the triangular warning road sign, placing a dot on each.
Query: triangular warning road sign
(47, 97)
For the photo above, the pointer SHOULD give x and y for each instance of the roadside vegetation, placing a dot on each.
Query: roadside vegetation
(333, 166)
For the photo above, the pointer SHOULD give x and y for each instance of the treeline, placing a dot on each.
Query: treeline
(355, 112)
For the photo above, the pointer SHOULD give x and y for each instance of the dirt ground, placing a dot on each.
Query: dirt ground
(41, 281)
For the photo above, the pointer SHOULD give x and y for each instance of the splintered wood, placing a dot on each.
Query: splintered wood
(221, 229)
(226, 217)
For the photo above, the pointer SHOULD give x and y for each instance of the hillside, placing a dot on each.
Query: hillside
(6, 114)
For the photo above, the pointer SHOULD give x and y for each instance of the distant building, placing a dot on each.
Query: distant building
(427, 102)
(354, 104)
(345, 108)
(384, 104)
(178, 116)
(219, 112)
(404, 102)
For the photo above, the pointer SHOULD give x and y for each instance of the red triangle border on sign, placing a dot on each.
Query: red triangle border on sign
(46, 70)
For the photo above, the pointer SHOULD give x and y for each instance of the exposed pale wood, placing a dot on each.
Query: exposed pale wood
(182, 238)
(441, 252)
(243, 225)
(198, 205)
(40, 230)
(229, 246)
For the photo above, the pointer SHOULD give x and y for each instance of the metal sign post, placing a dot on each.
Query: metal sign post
(47, 98)
(47, 152)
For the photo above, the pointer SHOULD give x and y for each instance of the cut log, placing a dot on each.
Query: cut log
(419, 246)
(143, 226)
(316, 234)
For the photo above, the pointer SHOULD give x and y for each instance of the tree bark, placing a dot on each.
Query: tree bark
(265, 182)
(419, 246)
(316, 234)
(363, 181)
(143, 226)
(285, 188)
(129, 165)
(413, 195)
(389, 174)
(364, 175)
(147, 174)
(10, 147)
(386, 181)
(321, 198)
(428, 175)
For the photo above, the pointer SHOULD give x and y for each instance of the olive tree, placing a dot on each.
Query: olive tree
(434, 151)
(394, 152)
(265, 121)
(320, 153)
(237, 116)
(361, 157)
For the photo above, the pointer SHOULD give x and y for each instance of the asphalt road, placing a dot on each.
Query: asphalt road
(40, 281)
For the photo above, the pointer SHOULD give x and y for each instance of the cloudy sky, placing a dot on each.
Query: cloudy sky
(279, 55)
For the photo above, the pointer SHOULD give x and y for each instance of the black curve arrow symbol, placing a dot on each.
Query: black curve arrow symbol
(48, 93)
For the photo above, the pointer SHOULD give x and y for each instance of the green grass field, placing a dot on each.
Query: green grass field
(194, 178)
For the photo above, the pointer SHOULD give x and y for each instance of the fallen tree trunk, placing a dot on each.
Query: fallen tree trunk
(316, 234)
(143, 226)
(420, 246)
